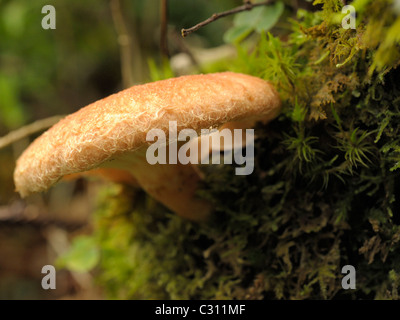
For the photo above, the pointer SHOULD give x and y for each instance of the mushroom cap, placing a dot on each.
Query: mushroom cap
(117, 124)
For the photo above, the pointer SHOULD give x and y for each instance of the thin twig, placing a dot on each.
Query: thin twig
(245, 7)
(164, 29)
(27, 130)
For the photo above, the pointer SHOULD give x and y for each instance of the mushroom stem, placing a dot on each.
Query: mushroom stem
(173, 185)
(109, 174)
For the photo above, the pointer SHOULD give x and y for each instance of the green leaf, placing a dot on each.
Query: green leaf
(249, 18)
(237, 33)
(270, 16)
(82, 256)
(258, 19)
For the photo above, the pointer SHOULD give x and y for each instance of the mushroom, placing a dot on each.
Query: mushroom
(109, 174)
(111, 133)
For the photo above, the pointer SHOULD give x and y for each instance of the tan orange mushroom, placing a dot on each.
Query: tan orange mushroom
(109, 174)
(111, 133)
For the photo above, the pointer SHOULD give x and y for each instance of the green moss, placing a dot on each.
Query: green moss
(324, 192)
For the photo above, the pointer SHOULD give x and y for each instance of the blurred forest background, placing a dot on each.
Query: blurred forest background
(98, 48)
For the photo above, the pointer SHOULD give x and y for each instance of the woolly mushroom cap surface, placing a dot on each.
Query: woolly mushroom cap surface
(114, 126)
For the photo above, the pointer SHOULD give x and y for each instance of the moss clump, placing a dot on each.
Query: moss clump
(325, 189)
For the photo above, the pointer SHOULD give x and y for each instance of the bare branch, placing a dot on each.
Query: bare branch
(27, 130)
(245, 7)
